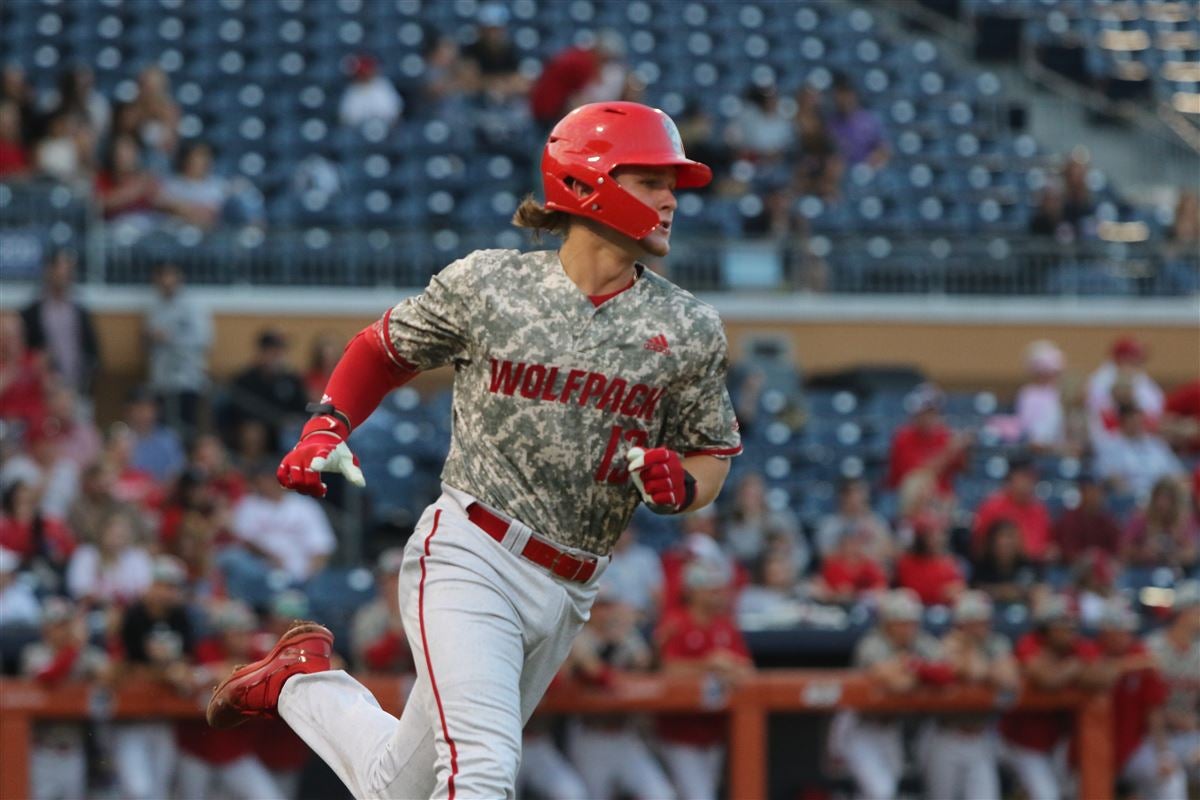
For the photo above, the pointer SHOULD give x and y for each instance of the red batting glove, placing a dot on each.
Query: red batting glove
(322, 448)
(660, 477)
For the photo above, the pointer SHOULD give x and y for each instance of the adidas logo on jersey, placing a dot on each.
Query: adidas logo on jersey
(658, 344)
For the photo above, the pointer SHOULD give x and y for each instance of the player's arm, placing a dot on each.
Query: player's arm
(421, 333)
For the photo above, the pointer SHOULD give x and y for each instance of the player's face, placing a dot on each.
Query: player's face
(654, 186)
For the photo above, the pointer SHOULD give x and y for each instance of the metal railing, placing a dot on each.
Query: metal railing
(34, 216)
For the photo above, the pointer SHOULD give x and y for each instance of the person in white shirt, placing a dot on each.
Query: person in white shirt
(1124, 366)
(116, 570)
(1131, 459)
(279, 532)
(1039, 402)
(369, 97)
(18, 604)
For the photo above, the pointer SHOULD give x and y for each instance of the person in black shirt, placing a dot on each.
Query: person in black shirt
(491, 61)
(268, 391)
(157, 639)
(1002, 570)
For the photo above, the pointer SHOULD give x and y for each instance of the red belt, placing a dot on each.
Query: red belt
(558, 562)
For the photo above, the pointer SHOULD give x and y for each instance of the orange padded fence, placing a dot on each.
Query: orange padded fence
(748, 705)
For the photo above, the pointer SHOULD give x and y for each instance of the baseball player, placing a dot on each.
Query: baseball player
(899, 656)
(1053, 656)
(1177, 650)
(961, 750)
(584, 384)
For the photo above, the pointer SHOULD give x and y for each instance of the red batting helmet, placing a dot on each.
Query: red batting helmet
(592, 141)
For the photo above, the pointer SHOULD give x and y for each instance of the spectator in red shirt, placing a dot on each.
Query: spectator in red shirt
(928, 568)
(1053, 657)
(576, 76)
(1181, 418)
(851, 571)
(926, 442)
(14, 156)
(224, 758)
(1016, 500)
(23, 375)
(700, 638)
(126, 189)
(1143, 752)
(1087, 526)
(39, 541)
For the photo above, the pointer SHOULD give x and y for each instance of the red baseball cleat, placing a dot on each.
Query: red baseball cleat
(253, 690)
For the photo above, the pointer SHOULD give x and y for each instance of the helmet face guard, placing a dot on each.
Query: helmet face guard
(595, 139)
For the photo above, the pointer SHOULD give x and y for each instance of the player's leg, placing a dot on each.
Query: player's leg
(1142, 770)
(247, 778)
(1035, 772)
(592, 754)
(133, 750)
(691, 769)
(869, 759)
(545, 770)
(982, 773)
(638, 772)
(943, 765)
(193, 777)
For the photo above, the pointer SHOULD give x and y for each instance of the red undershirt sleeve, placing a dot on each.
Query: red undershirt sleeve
(365, 374)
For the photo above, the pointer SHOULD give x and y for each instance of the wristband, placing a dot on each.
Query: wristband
(689, 491)
(319, 409)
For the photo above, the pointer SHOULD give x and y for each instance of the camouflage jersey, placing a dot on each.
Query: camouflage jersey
(550, 391)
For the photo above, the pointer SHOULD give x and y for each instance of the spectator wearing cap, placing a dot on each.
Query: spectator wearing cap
(1001, 569)
(700, 638)
(370, 97)
(157, 449)
(858, 132)
(855, 516)
(377, 633)
(268, 392)
(1094, 584)
(41, 542)
(58, 763)
(1016, 500)
(699, 540)
(961, 757)
(222, 763)
(1131, 460)
(276, 531)
(928, 568)
(1087, 526)
(114, 570)
(1040, 408)
(157, 640)
(178, 334)
(608, 750)
(1143, 752)
(1176, 649)
(24, 377)
(897, 657)
(1125, 365)
(1164, 533)
(19, 606)
(635, 574)
(926, 442)
(60, 327)
(1053, 657)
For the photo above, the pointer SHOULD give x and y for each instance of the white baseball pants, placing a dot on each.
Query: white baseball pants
(57, 773)
(1142, 771)
(245, 777)
(616, 761)
(1036, 772)
(145, 756)
(695, 770)
(873, 753)
(488, 631)
(546, 771)
(1186, 747)
(960, 764)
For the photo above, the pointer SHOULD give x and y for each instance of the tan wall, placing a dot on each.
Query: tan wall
(957, 355)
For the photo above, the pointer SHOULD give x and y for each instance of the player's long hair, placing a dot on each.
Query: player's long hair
(541, 220)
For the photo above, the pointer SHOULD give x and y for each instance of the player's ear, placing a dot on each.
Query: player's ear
(577, 186)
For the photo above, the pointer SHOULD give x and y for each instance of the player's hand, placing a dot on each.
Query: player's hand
(661, 479)
(322, 448)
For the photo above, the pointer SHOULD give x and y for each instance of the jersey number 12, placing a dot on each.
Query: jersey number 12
(608, 472)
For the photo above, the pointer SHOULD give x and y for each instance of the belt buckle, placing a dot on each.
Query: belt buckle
(558, 556)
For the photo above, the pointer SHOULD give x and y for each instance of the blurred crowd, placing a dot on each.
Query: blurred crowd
(158, 545)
